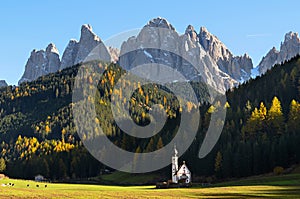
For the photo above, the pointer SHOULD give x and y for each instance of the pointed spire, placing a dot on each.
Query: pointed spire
(290, 35)
(52, 48)
(175, 150)
(87, 33)
(160, 23)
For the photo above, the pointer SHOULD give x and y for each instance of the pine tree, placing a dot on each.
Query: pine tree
(136, 158)
(160, 144)
(218, 162)
(45, 168)
(62, 170)
(150, 146)
(248, 108)
(294, 117)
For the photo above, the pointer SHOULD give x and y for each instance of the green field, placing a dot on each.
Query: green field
(287, 186)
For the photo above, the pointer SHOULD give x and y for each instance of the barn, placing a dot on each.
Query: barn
(39, 178)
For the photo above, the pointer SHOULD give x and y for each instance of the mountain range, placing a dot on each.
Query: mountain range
(221, 66)
(47, 61)
(261, 123)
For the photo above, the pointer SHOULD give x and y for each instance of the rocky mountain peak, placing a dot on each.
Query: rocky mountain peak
(274, 50)
(69, 55)
(87, 33)
(51, 48)
(167, 47)
(289, 48)
(160, 22)
(3, 83)
(238, 67)
(206, 34)
(78, 51)
(212, 44)
(246, 55)
(41, 62)
(189, 28)
(204, 29)
(87, 43)
(191, 32)
(86, 27)
(291, 36)
(90, 47)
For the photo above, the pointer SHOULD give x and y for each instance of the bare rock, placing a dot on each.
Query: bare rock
(163, 45)
(288, 49)
(89, 47)
(3, 83)
(238, 67)
(69, 55)
(40, 63)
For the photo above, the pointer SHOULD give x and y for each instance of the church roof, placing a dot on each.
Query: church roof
(183, 167)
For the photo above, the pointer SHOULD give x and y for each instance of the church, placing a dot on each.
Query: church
(181, 175)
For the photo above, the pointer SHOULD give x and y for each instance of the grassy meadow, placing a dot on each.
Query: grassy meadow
(287, 186)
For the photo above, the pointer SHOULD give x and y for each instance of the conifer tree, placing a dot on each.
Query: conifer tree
(275, 116)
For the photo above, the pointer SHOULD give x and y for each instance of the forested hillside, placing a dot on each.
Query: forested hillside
(261, 129)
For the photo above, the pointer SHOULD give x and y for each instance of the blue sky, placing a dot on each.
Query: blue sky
(244, 26)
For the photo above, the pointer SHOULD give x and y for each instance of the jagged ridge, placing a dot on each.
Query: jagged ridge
(288, 49)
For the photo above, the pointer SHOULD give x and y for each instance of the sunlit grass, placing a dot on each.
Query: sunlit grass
(53, 190)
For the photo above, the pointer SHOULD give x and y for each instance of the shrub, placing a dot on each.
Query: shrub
(278, 170)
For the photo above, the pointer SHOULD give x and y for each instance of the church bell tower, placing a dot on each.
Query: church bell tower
(175, 166)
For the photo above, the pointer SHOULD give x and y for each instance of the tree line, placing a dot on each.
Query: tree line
(260, 133)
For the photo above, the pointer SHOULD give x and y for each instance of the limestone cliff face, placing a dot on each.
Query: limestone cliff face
(69, 55)
(213, 61)
(288, 49)
(159, 43)
(238, 67)
(114, 54)
(89, 47)
(40, 63)
(77, 52)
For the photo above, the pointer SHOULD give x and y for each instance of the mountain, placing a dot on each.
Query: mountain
(288, 49)
(3, 83)
(158, 42)
(40, 63)
(69, 55)
(77, 52)
(222, 67)
(47, 61)
(41, 110)
(238, 67)
(38, 134)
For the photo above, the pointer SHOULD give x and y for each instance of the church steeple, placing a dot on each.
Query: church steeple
(174, 165)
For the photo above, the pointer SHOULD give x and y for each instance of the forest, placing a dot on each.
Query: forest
(260, 135)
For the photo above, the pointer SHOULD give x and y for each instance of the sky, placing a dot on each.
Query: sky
(251, 27)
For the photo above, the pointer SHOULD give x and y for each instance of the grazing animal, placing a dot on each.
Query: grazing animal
(13, 185)
(28, 185)
(37, 185)
(45, 186)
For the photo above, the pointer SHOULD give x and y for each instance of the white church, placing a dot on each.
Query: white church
(181, 175)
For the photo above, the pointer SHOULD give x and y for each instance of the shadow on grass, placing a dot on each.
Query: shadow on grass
(281, 192)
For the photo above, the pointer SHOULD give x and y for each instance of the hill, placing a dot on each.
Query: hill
(260, 132)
